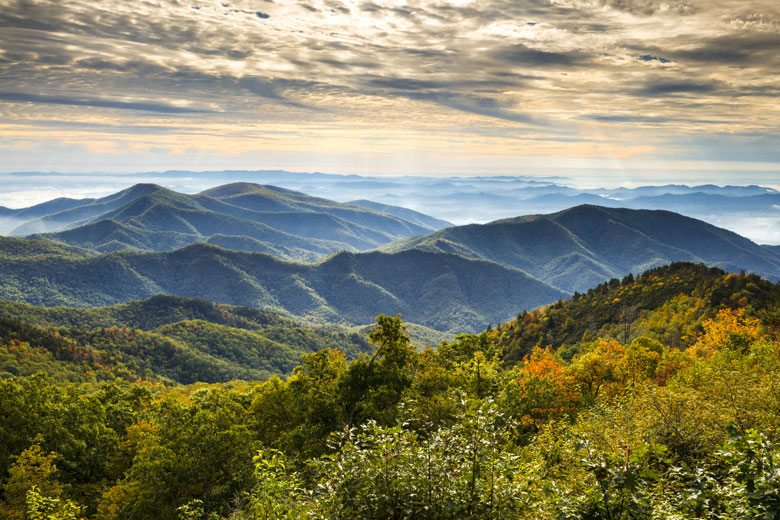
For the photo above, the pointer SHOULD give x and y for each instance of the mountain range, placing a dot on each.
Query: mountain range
(273, 248)
(752, 210)
(242, 216)
(443, 291)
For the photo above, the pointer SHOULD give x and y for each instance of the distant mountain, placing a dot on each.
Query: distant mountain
(407, 214)
(284, 223)
(164, 338)
(681, 189)
(698, 203)
(579, 248)
(446, 292)
(52, 217)
(775, 250)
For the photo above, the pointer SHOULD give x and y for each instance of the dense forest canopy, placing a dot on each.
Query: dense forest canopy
(651, 397)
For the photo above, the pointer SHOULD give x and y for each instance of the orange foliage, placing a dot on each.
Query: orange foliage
(543, 389)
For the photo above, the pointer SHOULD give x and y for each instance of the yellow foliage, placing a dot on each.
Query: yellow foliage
(32, 468)
(596, 368)
(729, 329)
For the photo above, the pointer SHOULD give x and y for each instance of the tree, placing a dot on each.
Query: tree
(371, 387)
(33, 468)
(539, 390)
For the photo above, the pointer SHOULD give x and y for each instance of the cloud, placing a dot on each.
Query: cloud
(633, 118)
(522, 55)
(19, 97)
(743, 49)
(672, 87)
(341, 72)
(457, 94)
(635, 7)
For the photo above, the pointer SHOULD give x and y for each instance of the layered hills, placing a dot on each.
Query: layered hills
(243, 216)
(443, 291)
(164, 338)
(580, 247)
(457, 279)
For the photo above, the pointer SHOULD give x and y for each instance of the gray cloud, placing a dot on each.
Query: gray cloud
(521, 55)
(739, 49)
(667, 87)
(19, 97)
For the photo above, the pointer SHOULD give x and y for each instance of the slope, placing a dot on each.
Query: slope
(56, 217)
(407, 214)
(667, 304)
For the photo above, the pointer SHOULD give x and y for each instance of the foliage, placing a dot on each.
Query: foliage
(277, 494)
(462, 471)
(41, 507)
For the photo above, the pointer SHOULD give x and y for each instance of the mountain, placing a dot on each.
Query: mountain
(698, 203)
(285, 223)
(443, 291)
(775, 250)
(32, 249)
(164, 338)
(579, 248)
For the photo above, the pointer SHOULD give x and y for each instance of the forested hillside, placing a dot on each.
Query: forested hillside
(164, 339)
(630, 421)
(442, 291)
(668, 304)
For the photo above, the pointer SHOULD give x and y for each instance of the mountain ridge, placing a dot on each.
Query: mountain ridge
(599, 242)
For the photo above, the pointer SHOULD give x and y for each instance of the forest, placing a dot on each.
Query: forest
(655, 396)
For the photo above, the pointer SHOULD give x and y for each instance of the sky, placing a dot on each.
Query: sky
(609, 91)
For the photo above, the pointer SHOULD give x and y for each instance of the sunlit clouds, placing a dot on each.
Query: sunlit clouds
(388, 87)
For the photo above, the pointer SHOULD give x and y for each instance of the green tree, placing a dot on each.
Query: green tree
(372, 387)
(33, 468)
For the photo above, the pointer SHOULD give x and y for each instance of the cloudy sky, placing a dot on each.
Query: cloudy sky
(673, 89)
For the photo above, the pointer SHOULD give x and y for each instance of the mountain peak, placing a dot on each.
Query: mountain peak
(140, 189)
(235, 188)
